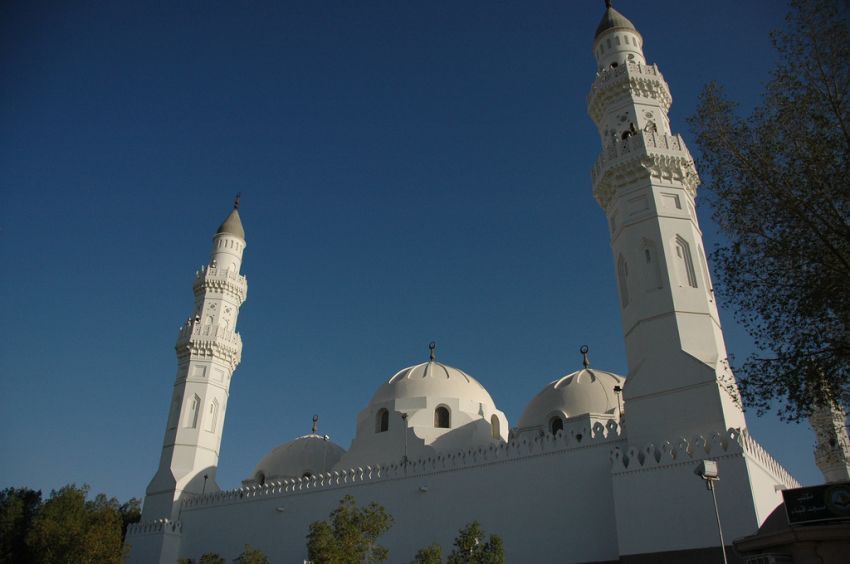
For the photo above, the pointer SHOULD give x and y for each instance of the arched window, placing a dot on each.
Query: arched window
(382, 420)
(685, 263)
(194, 411)
(213, 416)
(495, 426)
(556, 424)
(442, 418)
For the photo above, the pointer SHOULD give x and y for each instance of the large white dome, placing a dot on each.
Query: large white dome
(433, 379)
(423, 410)
(308, 455)
(588, 391)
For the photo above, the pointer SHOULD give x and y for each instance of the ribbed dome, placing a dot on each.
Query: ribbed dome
(424, 410)
(311, 454)
(232, 225)
(433, 379)
(585, 391)
(613, 19)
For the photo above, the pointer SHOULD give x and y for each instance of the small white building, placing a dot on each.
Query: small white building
(599, 468)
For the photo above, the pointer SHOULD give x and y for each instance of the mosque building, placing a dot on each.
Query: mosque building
(599, 467)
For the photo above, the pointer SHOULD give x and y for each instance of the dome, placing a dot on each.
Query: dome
(586, 391)
(311, 454)
(613, 19)
(232, 225)
(421, 411)
(432, 379)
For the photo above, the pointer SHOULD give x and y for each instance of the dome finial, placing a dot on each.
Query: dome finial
(315, 424)
(607, 3)
(585, 360)
(236, 200)
(432, 346)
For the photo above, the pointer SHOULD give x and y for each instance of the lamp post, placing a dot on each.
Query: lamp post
(707, 470)
(404, 458)
(618, 390)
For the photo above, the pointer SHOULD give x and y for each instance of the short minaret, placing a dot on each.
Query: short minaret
(678, 382)
(832, 450)
(208, 351)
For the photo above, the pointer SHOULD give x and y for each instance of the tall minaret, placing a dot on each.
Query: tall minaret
(208, 351)
(678, 381)
(832, 450)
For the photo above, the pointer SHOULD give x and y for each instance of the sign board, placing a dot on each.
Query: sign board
(828, 502)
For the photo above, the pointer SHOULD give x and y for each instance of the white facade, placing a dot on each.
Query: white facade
(599, 468)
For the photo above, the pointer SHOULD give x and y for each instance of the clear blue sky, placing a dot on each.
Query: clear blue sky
(410, 171)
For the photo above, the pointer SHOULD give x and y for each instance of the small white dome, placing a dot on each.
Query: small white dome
(308, 455)
(585, 391)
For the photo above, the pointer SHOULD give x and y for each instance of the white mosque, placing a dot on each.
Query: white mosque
(599, 468)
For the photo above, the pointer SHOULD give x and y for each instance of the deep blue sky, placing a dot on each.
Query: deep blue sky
(410, 171)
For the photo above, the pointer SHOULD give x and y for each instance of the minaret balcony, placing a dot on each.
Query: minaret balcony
(221, 280)
(643, 154)
(196, 332)
(630, 79)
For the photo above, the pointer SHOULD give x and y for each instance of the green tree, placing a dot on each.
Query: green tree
(131, 512)
(429, 555)
(471, 547)
(780, 194)
(69, 529)
(18, 507)
(212, 558)
(350, 536)
(252, 555)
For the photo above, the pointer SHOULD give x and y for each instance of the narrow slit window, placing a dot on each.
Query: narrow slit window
(194, 412)
(623, 279)
(175, 413)
(687, 274)
(213, 416)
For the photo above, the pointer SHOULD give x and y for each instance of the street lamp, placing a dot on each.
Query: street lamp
(707, 470)
(618, 390)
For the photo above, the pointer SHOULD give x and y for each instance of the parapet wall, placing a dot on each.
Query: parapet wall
(574, 439)
(729, 442)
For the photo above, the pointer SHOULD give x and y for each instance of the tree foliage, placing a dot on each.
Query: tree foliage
(18, 507)
(471, 547)
(780, 186)
(350, 536)
(69, 529)
(432, 554)
(252, 555)
(64, 528)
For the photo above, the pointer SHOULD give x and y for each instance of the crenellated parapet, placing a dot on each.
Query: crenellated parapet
(219, 280)
(598, 436)
(154, 527)
(733, 442)
(646, 154)
(630, 80)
